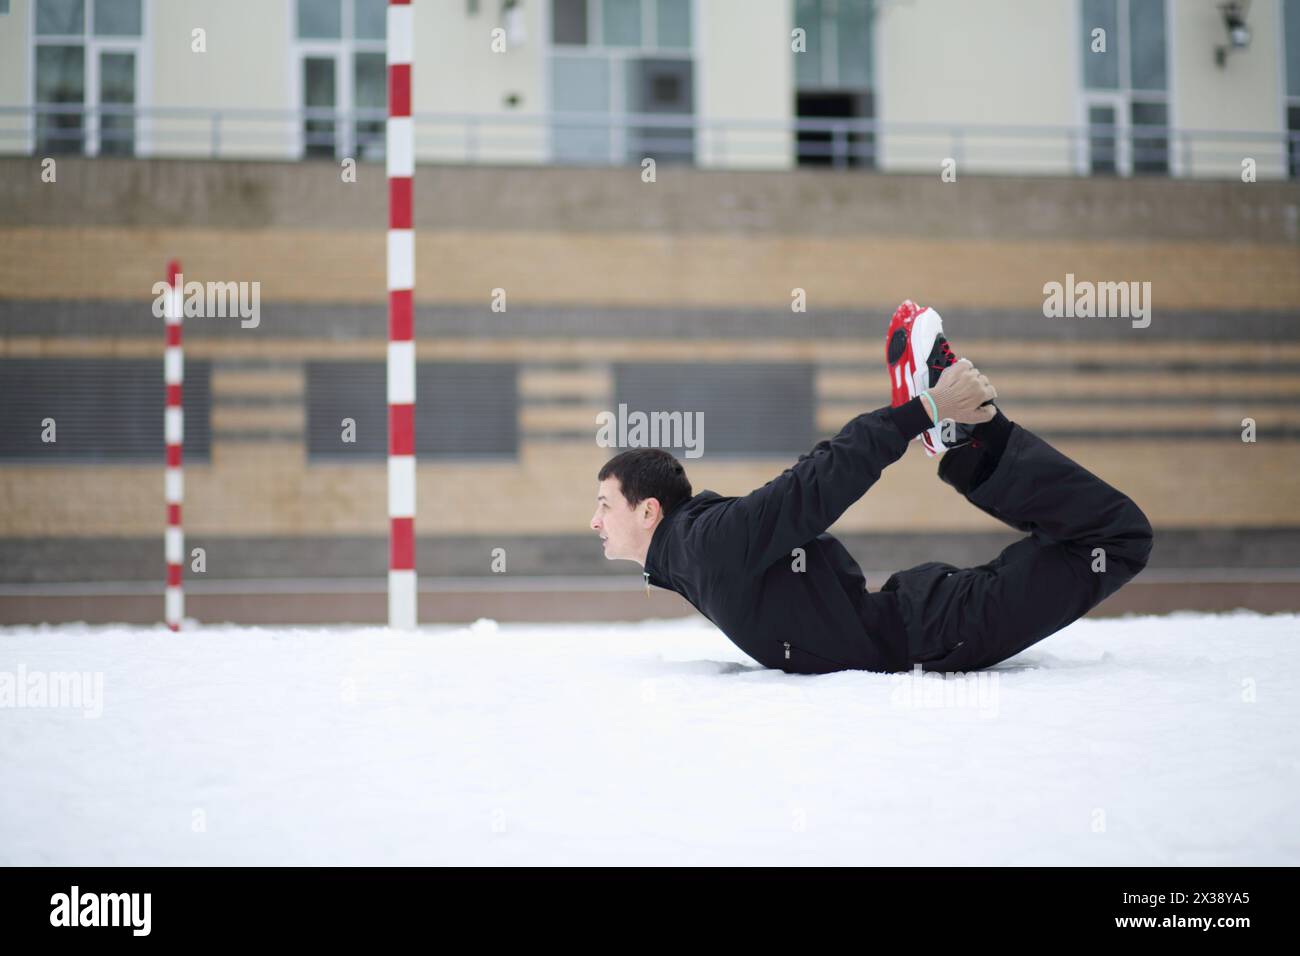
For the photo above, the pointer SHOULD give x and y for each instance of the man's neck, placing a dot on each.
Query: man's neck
(645, 551)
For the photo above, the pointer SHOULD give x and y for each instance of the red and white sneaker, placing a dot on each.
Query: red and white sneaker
(917, 352)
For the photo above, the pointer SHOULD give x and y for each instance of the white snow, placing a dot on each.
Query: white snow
(1139, 740)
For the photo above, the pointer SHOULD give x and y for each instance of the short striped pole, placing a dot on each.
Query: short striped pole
(400, 151)
(173, 435)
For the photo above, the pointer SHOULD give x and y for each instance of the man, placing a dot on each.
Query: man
(762, 568)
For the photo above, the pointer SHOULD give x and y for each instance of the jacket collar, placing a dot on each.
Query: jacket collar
(658, 560)
(656, 557)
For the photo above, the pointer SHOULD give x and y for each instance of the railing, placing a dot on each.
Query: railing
(626, 139)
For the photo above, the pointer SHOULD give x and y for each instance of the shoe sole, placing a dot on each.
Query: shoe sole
(913, 371)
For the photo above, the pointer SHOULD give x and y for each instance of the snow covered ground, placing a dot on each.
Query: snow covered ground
(1141, 740)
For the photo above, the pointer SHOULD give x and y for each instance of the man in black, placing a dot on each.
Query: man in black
(762, 568)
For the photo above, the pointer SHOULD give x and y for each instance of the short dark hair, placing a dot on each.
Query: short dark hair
(649, 473)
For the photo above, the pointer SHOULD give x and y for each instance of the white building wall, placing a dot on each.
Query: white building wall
(1244, 96)
(745, 71)
(15, 76)
(947, 63)
(457, 71)
(248, 65)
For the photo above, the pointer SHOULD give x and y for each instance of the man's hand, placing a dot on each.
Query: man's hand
(961, 392)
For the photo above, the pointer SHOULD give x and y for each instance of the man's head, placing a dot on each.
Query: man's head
(638, 489)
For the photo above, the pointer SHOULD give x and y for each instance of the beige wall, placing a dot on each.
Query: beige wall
(681, 251)
(15, 73)
(243, 68)
(642, 268)
(995, 62)
(456, 71)
(1245, 95)
(744, 70)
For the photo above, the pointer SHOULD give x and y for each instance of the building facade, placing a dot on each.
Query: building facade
(1005, 86)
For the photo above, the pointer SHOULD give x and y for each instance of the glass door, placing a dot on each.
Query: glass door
(60, 82)
(1107, 135)
(370, 74)
(117, 96)
(320, 99)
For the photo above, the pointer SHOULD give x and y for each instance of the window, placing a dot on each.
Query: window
(344, 77)
(1101, 140)
(87, 78)
(1291, 26)
(1126, 85)
(104, 410)
(655, 24)
(621, 57)
(747, 409)
(463, 410)
(833, 77)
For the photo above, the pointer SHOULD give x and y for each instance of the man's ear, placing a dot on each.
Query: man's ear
(652, 509)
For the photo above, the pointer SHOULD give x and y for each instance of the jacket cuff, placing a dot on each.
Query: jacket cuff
(911, 418)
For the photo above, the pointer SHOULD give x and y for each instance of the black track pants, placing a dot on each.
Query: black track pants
(967, 618)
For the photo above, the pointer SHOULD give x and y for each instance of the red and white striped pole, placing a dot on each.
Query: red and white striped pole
(400, 152)
(173, 435)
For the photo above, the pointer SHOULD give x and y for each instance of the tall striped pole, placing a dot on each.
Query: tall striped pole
(400, 154)
(173, 435)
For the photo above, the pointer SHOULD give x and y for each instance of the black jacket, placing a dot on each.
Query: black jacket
(735, 558)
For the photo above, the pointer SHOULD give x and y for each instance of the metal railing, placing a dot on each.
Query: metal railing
(627, 139)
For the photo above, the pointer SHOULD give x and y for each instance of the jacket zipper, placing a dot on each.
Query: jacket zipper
(646, 575)
(827, 660)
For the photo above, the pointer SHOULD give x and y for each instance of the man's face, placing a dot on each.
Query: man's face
(616, 521)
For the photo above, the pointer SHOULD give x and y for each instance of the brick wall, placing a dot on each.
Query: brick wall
(599, 268)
